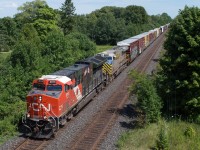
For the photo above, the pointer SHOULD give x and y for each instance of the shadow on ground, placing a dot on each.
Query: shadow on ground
(129, 111)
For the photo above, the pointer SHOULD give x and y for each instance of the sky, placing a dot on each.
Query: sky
(153, 7)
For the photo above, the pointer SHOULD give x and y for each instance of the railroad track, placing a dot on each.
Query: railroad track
(94, 132)
(32, 144)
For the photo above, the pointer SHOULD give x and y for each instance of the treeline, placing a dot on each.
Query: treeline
(111, 24)
(104, 26)
(178, 78)
(43, 40)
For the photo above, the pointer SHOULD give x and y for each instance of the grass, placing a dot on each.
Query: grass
(101, 48)
(144, 139)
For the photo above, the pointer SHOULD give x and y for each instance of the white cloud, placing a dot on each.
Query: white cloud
(8, 4)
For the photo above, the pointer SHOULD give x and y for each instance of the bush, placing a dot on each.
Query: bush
(7, 128)
(189, 132)
(162, 142)
(148, 100)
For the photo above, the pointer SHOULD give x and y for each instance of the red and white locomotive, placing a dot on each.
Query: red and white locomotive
(56, 97)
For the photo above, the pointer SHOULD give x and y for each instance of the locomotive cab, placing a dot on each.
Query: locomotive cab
(42, 101)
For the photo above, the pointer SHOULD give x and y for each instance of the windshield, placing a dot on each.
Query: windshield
(37, 86)
(54, 88)
(109, 58)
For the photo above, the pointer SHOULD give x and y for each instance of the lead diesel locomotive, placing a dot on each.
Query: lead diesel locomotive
(57, 97)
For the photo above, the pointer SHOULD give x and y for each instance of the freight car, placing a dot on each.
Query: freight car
(57, 97)
(132, 50)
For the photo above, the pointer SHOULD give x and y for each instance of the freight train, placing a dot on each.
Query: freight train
(57, 97)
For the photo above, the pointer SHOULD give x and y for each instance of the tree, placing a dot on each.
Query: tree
(148, 100)
(105, 28)
(57, 51)
(180, 75)
(39, 14)
(67, 16)
(8, 33)
(135, 14)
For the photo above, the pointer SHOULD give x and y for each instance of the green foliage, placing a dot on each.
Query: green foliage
(101, 48)
(56, 51)
(3, 57)
(83, 42)
(7, 128)
(179, 78)
(160, 19)
(197, 119)
(162, 142)
(27, 51)
(67, 16)
(38, 13)
(190, 132)
(145, 138)
(109, 25)
(10, 115)
(148, 100)
(105, 34)
(8, 32)
(136, 15)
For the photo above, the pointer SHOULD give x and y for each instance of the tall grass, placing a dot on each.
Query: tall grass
(144, 139)
(101, 48)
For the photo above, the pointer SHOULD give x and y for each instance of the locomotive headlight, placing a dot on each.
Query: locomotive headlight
(40, 98)
(28, 115)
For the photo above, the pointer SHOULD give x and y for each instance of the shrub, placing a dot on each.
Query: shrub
(162, 143)
(148, 100)
(190, 132)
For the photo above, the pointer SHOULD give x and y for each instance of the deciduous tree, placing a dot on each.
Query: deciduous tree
(180, 74)
(67, 16)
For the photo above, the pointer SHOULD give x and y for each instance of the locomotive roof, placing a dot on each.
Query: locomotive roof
(70, 70)
(96, 60)
(62, 79)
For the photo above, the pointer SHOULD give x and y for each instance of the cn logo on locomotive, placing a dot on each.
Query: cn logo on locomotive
(37, 107)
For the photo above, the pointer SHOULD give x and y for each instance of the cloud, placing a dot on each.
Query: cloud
(8, 4)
